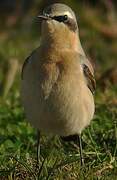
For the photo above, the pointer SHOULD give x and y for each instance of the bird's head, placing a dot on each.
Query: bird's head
(59, 25)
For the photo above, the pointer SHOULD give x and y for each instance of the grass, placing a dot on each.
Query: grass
(59, 160)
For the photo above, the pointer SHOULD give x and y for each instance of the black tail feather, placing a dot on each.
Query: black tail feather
(73, 138)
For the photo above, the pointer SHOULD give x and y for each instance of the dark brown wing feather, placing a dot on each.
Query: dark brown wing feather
(90, 78)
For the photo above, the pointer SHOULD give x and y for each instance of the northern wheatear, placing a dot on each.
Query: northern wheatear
(57, 78)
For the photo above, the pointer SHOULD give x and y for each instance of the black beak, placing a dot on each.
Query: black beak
(43, 17)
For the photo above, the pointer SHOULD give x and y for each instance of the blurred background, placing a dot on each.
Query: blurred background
(19, 36)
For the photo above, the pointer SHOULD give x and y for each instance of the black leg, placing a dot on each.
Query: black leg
(38, 147)
(80, 147)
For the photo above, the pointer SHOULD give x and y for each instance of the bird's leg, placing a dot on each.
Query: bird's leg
(80, 147)
(38, 147)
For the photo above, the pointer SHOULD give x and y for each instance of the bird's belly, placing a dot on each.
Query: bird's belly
(67, 110)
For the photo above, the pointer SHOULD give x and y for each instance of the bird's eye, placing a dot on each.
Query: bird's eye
(65, 18)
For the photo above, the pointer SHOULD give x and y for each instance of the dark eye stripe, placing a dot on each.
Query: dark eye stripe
(68, 21)
(59, 18)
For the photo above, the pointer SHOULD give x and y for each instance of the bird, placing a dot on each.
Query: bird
(58, 84)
